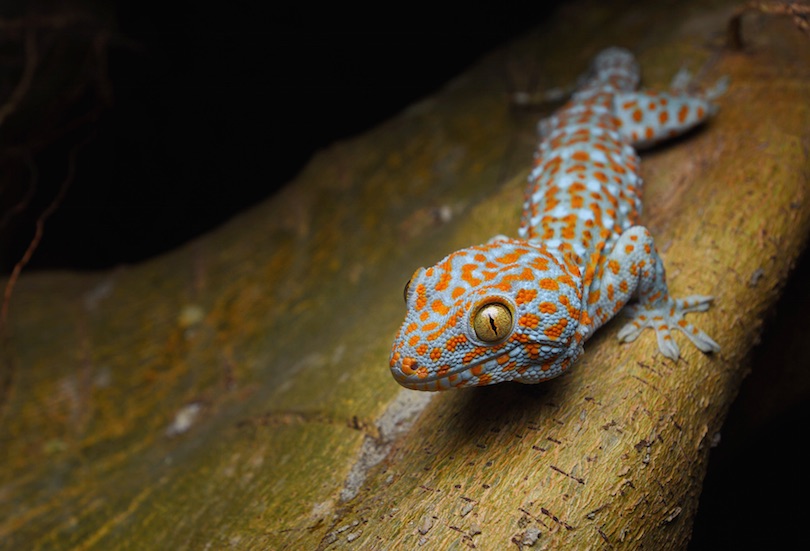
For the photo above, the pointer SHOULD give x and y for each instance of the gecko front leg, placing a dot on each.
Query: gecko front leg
(634, 271)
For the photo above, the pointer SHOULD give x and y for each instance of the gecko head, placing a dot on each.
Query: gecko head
(505, 311)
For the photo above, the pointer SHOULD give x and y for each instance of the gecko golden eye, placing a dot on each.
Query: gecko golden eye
(492, 322)
(405, 292)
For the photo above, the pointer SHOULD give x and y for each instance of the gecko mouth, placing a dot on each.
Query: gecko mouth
(432, 377)
(465, 375)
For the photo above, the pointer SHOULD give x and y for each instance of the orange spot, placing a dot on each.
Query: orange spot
(525, 295)
(617, 168)
(623, 286)
(557, 329)
(529, 320)
(548, 308)
(518, 337)
(614, 267)
(457, 292)
(581, 156)
(566, 279)
(601, 177)
(435, 354)
(638, 115)
(452, 343)
(413, 340)
(585, 319)
(629, 249)
(440, 308)
(663, 117)
(466, 275)
(511, 258)
(683, 112)
(422, 372)
(421, 349)
(421, 299)
(474, 353)
(444, 280)
(594, 297)
(549, 284)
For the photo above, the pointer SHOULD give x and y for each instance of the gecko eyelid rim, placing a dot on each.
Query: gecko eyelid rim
(493, 321)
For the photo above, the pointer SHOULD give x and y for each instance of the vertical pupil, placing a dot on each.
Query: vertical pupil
(492, 322)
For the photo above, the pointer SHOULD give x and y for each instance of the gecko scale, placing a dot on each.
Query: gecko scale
(521, 309)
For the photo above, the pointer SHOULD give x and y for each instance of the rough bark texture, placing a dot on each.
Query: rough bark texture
(236, 392)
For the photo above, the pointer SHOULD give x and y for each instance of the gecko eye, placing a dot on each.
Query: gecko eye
(405, 292)
(492, 322)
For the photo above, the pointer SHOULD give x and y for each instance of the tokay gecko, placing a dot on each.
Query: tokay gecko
(521, 309)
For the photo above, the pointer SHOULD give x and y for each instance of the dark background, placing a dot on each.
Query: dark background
(212, 110)
(204, 112)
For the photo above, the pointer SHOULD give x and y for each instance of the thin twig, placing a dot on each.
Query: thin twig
(39, 229)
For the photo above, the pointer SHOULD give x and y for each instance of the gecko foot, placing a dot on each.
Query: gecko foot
(665, 317)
